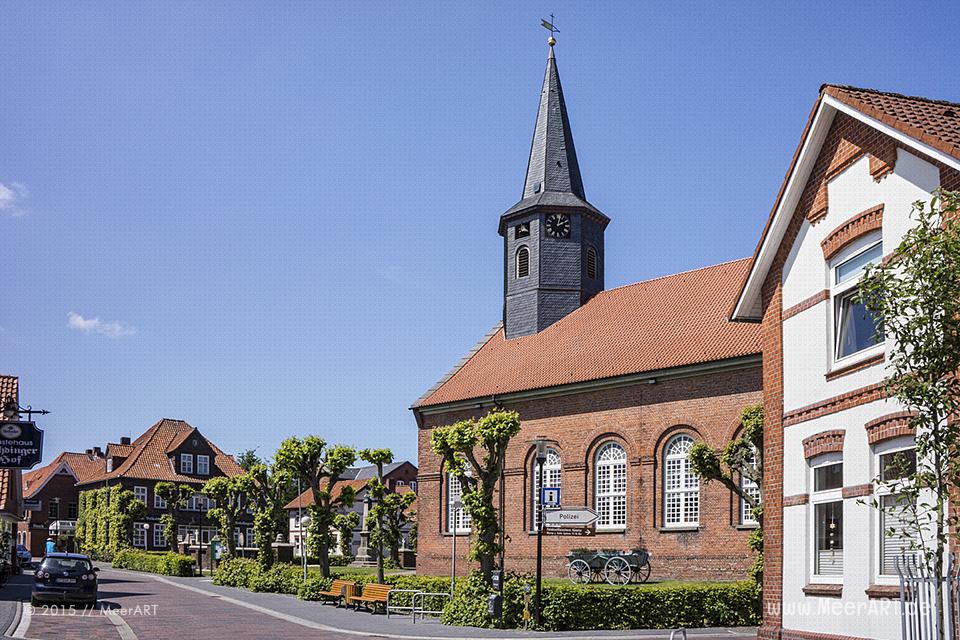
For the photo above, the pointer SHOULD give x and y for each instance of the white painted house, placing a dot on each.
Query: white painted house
(864, 158)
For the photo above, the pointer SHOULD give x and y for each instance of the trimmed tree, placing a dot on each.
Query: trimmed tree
(232, 497)
(345, 523)
(268, 489)
(459, 445)
(916, 297)
(319, 467)
(177, 496)
(377, 490)
(740, 460)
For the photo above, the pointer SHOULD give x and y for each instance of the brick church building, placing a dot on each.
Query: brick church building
(623, 380)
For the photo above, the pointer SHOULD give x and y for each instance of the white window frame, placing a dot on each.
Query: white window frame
(458, 521)
(822, 497)
(186, 463)
(606, 469)
(139, 535)
(552, 476)
(203, 464)
(882, 489)
(158, 502)
(159, 539)
(840, 290)
(749, 486)
(141, 493)
(686, 488)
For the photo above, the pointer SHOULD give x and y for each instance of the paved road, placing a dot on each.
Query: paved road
(145, 606)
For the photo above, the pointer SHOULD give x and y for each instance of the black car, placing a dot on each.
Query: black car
(65, 578)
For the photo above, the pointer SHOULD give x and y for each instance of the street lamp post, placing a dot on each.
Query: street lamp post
(541, 456)
(457, 505)
(304, 523)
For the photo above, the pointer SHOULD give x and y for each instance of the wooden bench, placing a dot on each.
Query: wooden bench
(373, 595)
(339, 591)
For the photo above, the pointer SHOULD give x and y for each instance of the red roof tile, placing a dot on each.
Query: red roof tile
(85, 467)
(935, 122)
(149, 459)
(658, 324)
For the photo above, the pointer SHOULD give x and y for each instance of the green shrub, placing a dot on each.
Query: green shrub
(236, 572)
(335, 560)
(280, 578)
(312, 587)
(166, 564)
(573, 607)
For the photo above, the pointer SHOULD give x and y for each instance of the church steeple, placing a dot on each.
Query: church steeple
(553, 158)
(553, 237)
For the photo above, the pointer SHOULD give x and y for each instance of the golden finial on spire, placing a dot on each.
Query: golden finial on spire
(549, 25)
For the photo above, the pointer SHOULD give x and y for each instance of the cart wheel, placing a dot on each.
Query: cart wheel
(617, 571)
(642, 574)
(579, 572)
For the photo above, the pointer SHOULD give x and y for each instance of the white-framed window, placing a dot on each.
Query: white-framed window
(158, 502)
(750, 488)
(159, 540)
(203, 465)
(610, 501)
(109, 465)
(413, 485)
(681, 487)
(523, 262)
(186, 463)
(236, 536)
(401, 483)
(198, 502)
(458, 520)
(140, 493)
(826, 504)
(896, 462)
(139, 535)
(249, 537)
(551, 478)
(855, 329)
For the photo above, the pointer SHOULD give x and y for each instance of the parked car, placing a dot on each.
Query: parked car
(65, 578)
(24, 555)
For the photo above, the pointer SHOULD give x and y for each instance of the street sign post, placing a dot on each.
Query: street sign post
(21, 445)
(570, 517)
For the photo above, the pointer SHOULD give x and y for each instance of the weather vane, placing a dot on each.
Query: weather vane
(549, 25)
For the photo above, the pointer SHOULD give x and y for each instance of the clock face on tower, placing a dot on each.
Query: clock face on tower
(557, 225)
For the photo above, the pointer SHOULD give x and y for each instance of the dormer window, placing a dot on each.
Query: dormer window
(109, 465)
(186, 463)
(203, 465)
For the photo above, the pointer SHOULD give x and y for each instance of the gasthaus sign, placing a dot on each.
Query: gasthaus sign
(21, 445)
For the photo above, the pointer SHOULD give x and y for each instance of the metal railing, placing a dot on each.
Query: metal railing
(422, 609)
(393, 607)
(919, 619)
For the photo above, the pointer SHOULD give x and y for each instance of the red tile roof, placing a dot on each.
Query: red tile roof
(935, 122)
(84, 466)
(658, 324)
(305, 499)
(115, 449)
(149, 459)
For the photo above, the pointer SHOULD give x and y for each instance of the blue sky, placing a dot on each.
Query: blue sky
(273, 219)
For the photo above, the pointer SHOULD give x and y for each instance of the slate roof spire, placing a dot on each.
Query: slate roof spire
(553, 159)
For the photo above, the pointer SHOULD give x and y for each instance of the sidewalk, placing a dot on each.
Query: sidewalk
(347, 621)
(12, 596)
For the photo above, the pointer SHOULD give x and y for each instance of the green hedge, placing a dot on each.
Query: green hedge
(566, 607)
(167, 564)
(574, 607)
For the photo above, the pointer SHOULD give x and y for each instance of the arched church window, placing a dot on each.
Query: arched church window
(611, 486)
(551, 478)
(681, 487)
(523, 262)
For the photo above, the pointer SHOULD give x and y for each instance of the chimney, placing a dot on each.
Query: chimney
(97, 452)
(124, 439)
(89, 452)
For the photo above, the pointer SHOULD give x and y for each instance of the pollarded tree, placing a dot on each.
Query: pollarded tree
(377, 490)
(345, 523)
(458, 445)
(232, 495)
(177, 496)
(268, 491)
(916, 297)
(740, 460)
(393, 515)
(319, 467)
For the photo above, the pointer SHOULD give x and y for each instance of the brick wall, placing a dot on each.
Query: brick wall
(642, 418)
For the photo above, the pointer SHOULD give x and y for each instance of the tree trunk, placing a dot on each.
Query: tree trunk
(324, 557)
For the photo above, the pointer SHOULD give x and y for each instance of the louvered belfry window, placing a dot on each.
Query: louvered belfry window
(523, 262)
(591, 263)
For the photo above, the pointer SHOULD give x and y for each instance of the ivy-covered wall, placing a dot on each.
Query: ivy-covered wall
(105, 520)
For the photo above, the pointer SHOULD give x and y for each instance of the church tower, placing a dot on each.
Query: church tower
(553, 237)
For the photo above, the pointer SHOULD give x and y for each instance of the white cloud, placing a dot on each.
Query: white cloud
(10, 197)
(96, 325)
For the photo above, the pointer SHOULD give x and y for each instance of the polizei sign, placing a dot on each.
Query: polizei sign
(21, 445)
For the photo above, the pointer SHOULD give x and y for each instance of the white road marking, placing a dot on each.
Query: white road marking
(25, 616)
(310, 624)
(126, 633)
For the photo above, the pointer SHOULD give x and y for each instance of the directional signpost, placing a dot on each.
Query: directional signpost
(570, 521)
